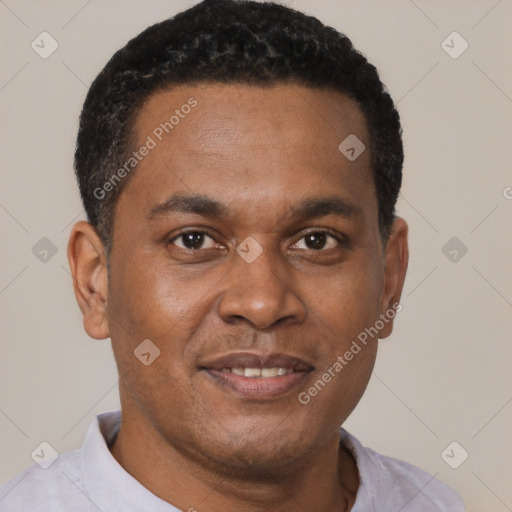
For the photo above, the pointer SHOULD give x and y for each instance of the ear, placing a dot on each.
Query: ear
(396, 259)
(88, 263)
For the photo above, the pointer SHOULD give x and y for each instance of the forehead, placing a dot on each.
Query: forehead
(228, 115)
(258, 145)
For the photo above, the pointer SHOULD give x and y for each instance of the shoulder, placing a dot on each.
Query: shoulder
(58, 487)
(388, 484)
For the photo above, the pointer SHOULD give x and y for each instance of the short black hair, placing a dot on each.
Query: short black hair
(228, 41)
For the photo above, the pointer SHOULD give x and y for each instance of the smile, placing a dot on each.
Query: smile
(257, 376)
(259, 373)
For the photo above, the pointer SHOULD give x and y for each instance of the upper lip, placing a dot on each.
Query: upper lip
(253, 360)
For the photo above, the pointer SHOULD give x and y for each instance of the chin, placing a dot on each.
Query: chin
(256, 454)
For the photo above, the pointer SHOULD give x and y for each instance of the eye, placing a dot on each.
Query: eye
(317, 241)
(194, 240)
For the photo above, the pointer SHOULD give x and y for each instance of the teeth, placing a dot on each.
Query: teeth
(259, 372)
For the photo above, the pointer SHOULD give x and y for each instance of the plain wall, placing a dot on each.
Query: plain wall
(443, 376)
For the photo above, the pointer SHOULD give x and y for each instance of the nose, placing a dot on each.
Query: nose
(260, 293)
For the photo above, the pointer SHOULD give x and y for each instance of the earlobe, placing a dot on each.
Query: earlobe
(88, 264)
(396, 261)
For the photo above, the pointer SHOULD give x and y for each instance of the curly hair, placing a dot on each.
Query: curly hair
(229, 41)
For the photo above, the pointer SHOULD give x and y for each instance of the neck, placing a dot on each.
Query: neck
(322, 481)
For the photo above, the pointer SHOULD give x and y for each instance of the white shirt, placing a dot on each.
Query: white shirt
(90, 479)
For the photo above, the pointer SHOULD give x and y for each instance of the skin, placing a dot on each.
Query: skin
(259, 152)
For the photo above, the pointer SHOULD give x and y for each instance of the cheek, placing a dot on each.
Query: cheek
(348, 301)
(151, 297)
(344, 306)
(148, 302)
(337, 390)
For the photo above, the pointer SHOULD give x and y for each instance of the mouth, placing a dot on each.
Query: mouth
(257, 376)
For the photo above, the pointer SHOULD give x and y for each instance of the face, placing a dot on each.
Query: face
(246, 248)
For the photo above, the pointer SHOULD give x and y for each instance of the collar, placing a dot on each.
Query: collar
(107, 483)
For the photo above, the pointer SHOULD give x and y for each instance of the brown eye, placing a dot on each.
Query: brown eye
(317, 241)
(194, 240)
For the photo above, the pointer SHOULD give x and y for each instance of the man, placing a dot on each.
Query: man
(239, 165)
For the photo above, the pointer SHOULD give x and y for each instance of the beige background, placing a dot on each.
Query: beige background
(445, 373)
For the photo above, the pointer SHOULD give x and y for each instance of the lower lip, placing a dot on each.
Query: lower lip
(259, 388)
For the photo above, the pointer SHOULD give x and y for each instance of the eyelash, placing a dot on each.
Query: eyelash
(340, 239)
(183, 233)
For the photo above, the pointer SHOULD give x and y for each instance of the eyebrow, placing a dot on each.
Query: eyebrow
(314, 208)
(196, 204)
(208, 207)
